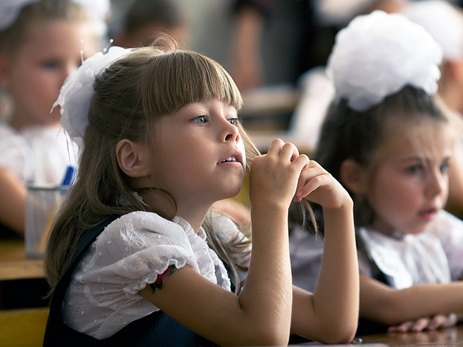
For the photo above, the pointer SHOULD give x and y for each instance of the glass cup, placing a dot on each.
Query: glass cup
(42, 204)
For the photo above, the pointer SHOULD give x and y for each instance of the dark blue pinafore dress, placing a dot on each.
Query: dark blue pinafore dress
(156, 329)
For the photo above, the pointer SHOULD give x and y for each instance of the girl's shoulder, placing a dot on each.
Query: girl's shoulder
(225, 228)
(9, 137)
(143, 234)
(149, 223)
(16, 153)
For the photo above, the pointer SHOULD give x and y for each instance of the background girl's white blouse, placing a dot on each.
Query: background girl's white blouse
(37, 155)
(433, 256)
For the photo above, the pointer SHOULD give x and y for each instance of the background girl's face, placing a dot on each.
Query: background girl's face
(410, 182)
(35, 74)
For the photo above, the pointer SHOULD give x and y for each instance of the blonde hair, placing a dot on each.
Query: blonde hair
(137, 89)
(13, 36)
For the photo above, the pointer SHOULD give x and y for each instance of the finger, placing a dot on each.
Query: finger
(275, 147)
(401, 328)
(436, 322)
(452, 319)
(302, 162)
(289, 151)
(420, 324)
(316, 180)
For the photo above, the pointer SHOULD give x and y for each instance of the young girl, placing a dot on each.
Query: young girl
(40, 44)
(388, 142)
(444, 21)
(135, 258)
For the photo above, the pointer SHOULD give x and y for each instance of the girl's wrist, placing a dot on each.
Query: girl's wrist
(346, 205)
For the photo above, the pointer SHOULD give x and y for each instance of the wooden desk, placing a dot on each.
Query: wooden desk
(443, 337)
(15, 265)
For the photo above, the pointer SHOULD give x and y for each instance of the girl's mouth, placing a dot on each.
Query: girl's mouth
(428, 214)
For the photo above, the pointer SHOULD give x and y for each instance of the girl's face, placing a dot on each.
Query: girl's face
(199, 154)
(35, 74)
(410, 182)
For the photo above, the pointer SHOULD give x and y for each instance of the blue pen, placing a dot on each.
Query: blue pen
(68, 176)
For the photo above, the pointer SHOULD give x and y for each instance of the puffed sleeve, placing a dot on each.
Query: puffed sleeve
(449, 229)
(129, 254)
(132, 251)
(16, 155)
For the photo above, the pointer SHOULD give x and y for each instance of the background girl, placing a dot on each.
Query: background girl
(390, 144)
(163, 143)
(41, 43)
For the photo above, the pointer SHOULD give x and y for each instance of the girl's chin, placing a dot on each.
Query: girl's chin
(416, 230)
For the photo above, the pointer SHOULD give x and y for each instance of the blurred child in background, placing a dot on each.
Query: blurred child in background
(41, 43)
(444, 21)
(390, 144)
(144, 20)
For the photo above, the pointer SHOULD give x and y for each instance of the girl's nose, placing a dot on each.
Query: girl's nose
(438, 183)
(230, 132)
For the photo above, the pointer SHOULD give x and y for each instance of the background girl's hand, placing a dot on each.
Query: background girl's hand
(317, 185)
(274, 176)
(426, 323)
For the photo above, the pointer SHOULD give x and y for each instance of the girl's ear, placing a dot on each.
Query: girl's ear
(353, 176)
(132, 158)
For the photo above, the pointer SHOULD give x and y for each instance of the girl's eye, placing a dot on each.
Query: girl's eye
(414, 169)
(200, 120)
(50, 64)
(233, 121)
(444, 167)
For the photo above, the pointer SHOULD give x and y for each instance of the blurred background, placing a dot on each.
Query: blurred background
(274, 49)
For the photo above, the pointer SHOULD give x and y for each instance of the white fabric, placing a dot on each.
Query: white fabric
(10, 9)
(443, 20)
(378, 54)
(128, 255)
(15, 151)
(37, 155)
(316, 96)
(77, 91)
(98, 10)
(306, 252)
(433, 256)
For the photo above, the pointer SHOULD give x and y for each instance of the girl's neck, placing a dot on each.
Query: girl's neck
(191, 211)
(394, 234)
(194, 218)
(386, 230)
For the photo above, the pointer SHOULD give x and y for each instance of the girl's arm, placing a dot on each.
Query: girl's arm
(261, 314)
(330, 315)
(390, 306)
(12, 202)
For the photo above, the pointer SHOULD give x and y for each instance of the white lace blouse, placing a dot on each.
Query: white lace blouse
(129, 254)
(433, 256)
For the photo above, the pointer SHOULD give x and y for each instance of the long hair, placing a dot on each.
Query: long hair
(130, 94)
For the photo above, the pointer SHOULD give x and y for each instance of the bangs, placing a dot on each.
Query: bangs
(178, 78)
